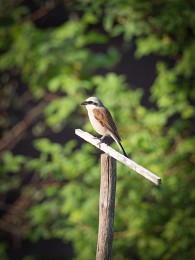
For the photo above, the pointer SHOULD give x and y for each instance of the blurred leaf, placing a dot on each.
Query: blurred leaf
(63, 65)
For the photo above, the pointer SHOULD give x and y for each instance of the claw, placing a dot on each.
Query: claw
(101, 140)
(99, 143)
(95, 137)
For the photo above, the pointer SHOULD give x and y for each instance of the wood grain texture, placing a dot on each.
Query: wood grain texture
(106, 207)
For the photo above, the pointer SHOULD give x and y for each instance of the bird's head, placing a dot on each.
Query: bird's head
(92, 102)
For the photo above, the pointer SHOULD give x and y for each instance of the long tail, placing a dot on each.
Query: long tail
(124, 153)
(119, 144)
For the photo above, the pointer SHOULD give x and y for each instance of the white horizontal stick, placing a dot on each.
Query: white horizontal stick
(118, 156)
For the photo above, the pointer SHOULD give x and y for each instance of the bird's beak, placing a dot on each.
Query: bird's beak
(84, 103)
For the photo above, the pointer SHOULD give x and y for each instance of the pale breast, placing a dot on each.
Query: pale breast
(95, 123)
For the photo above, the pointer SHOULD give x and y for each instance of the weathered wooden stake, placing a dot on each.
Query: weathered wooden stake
(106, 207)
(107, 191)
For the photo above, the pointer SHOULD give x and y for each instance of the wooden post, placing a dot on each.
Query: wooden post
(106, 207)
(107, 191)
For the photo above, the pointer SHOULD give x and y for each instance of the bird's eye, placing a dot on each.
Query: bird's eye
(92, 103)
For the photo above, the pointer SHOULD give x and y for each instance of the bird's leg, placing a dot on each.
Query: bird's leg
(101, 140)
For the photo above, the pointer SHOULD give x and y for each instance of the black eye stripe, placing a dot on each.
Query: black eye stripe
(92, 103)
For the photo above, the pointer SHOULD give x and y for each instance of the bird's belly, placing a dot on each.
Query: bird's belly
(96, 125)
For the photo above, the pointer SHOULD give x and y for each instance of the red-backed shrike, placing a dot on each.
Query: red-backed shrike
(102, 121)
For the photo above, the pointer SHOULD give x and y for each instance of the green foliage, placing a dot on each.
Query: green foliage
(10, 164)
(58, 67)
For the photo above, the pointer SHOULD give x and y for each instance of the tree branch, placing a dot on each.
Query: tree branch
(14, 135)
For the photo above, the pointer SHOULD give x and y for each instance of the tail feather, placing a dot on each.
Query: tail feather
(119, 144)
(124, 153)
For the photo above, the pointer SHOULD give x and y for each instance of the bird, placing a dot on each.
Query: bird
(102, 121)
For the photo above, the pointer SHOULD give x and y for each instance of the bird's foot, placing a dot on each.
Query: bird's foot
(99, 142)
(95, 137)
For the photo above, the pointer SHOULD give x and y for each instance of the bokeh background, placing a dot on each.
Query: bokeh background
(138, 57)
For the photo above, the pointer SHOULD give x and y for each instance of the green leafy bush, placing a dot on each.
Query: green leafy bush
(59, 69)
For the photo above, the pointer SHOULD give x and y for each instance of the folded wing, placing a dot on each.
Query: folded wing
(105, 118)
